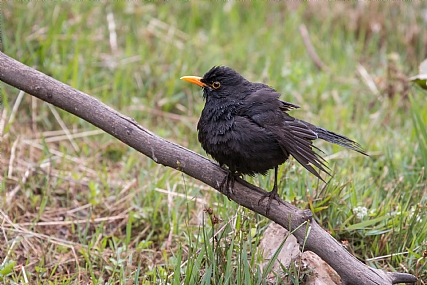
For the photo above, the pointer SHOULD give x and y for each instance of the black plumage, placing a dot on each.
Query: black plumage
(245, 127)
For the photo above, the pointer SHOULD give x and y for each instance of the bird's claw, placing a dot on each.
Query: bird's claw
(227, 184)
(271, 196)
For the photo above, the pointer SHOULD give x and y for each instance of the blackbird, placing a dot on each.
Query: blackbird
(245, 127)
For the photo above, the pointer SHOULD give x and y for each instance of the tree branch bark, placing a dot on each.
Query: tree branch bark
(35, 83)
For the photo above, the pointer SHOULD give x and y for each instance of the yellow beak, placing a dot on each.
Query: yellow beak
(194, 80)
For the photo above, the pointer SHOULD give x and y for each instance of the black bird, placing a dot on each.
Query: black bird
(246, 127)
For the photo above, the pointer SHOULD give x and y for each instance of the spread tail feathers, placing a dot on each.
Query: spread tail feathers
(338, 139)
(298, 143)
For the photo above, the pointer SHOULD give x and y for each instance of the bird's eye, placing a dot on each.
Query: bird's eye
(216, 85)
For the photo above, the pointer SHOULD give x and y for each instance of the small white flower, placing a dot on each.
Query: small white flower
(360, 212)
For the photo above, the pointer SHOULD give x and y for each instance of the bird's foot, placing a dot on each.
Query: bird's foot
(271, 196)
(227, 184)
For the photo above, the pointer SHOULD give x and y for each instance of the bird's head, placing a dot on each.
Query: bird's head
(219, 82)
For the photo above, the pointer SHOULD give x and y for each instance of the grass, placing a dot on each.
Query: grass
(96, 211)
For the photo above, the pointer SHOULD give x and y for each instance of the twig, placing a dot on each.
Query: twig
(8, 253)
(33, 114)
(203, 201)
(369, 81)
(47, 134)
(63, 127)
(24, 274)
(12, 157)
(79, 208)
(128, 186)
(77, 263)
(310, 49)
(386, 256)
(3, 123)
(70, 136)
(16, 106)
(75, 222)
(15, 190)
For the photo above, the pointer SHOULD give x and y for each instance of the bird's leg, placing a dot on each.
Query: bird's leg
(273, 194)
(227, 184)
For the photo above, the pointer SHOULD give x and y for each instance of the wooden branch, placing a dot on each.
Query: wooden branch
(33, 82)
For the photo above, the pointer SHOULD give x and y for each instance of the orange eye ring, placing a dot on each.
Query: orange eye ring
(216, 85)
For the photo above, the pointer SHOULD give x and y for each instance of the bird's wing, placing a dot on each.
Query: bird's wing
(298, 138)
(264, 108)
